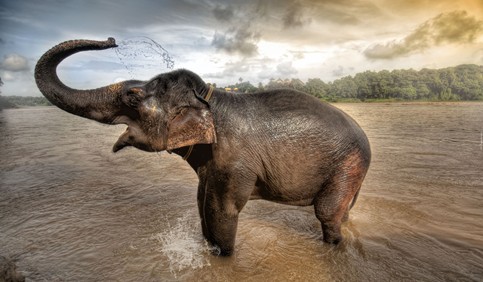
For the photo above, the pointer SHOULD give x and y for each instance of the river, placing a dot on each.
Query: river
(71, 210)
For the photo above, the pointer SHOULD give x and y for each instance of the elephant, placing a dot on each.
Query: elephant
(279, 145)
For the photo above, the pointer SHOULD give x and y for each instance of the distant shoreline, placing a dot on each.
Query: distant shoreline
(17, 102)
(406, 102)
(12, 102)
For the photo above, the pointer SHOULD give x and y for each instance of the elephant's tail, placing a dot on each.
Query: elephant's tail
(354, 199)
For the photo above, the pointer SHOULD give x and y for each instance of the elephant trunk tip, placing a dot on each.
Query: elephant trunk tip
(111, 41)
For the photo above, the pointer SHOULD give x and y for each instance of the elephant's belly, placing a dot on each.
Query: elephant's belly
(295, 197)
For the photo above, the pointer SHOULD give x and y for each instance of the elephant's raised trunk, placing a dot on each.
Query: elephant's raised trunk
(101, 104)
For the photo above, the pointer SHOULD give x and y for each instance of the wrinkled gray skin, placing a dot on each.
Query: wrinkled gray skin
(279, 145)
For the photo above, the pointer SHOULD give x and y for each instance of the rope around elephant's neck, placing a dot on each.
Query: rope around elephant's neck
(207, 98)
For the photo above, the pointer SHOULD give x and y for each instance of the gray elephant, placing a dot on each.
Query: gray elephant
(279, 145)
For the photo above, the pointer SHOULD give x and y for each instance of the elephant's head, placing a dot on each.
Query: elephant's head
(164, 113)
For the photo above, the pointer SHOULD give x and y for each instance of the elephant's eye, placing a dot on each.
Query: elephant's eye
(133, 96)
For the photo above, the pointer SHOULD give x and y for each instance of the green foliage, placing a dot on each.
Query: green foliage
(464, 82)
(19, 101)
(316, 87)
(243, 86)
(5, 104)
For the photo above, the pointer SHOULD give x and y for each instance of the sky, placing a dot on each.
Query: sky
(230, 41)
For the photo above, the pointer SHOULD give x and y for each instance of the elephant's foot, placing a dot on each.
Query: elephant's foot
(222, 252)
(332, 233)
(331, 214)
(223, 249)
(220, 232)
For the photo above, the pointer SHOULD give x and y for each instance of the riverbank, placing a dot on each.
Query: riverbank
(401, 101)
(12, 102)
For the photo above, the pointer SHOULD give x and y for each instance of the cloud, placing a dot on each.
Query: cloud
(286, 69)
(240, 28)
(241, 40)
(233, 69)
(223, 14)
(453, 28)
(97, 65)
(339, 71)
(7, 76)
(14, 63)
(294, 17)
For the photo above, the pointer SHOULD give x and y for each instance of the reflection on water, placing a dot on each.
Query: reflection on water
(72, 210)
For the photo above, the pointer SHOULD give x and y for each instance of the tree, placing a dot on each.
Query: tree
(345, 87)
(316, 87)
(243, 87)
(363, 91)
(463, 82)
(275, 84)
(4, 103)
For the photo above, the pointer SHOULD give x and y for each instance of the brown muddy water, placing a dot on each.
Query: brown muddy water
(70, 210)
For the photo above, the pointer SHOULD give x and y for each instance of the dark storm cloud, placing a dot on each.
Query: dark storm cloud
(294, 16)
(241, 32)
(240, 26)
(223, 14)
(240, 40)
(455, 27)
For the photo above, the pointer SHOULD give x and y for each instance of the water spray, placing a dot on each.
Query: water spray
(143, 52)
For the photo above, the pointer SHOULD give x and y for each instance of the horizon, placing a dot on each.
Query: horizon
(292, 78)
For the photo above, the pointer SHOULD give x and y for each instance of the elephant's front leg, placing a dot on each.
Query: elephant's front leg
(221, 226)
(219, 205)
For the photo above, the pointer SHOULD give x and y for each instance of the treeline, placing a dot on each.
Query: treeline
(8, 102)
(5, 104)
(463, 82)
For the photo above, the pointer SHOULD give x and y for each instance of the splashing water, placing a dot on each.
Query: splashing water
(143, 52)
(183, 245)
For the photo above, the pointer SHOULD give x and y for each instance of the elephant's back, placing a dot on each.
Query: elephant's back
(298, 114)
(288, 123)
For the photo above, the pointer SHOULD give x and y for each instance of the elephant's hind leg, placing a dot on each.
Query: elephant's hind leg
(333, 202)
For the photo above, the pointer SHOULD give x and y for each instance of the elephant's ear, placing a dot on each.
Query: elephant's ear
(190, 126)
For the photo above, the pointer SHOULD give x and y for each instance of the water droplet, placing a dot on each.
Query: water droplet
(142, 52)
(183, 245)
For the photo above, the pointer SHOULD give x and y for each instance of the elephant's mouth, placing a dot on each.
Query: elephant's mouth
(134, 136)
(122, 141)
